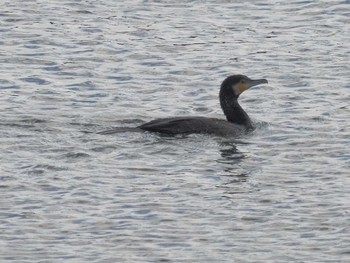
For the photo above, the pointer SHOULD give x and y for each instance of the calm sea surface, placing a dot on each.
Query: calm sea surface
(69, 69)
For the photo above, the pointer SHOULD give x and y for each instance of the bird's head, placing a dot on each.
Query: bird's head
(234, 85)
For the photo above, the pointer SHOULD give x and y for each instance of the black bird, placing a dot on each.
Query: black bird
(238, 121)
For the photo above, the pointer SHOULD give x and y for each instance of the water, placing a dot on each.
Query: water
(72, 68)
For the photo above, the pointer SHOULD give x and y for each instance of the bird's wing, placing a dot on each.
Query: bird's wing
(172, 125)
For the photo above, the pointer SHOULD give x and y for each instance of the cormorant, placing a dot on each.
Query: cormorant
(238, 121)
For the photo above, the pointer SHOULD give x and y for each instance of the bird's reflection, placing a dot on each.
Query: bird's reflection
(231, 159)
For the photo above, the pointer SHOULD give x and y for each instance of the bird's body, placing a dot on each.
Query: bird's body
(237, 120)
(188, 125)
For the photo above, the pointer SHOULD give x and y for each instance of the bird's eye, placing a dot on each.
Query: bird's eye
(242, 81)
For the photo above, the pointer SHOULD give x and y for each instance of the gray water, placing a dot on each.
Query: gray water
(70, 69)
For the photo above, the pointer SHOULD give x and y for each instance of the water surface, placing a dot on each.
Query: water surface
(72, 68)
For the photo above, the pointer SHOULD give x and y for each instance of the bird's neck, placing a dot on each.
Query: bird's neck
(234, 112)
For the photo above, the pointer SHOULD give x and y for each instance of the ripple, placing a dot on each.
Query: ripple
(35, 80)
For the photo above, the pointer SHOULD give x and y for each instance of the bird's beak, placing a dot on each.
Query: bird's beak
(255, 82)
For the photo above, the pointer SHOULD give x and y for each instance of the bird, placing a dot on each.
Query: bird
(237, 120)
